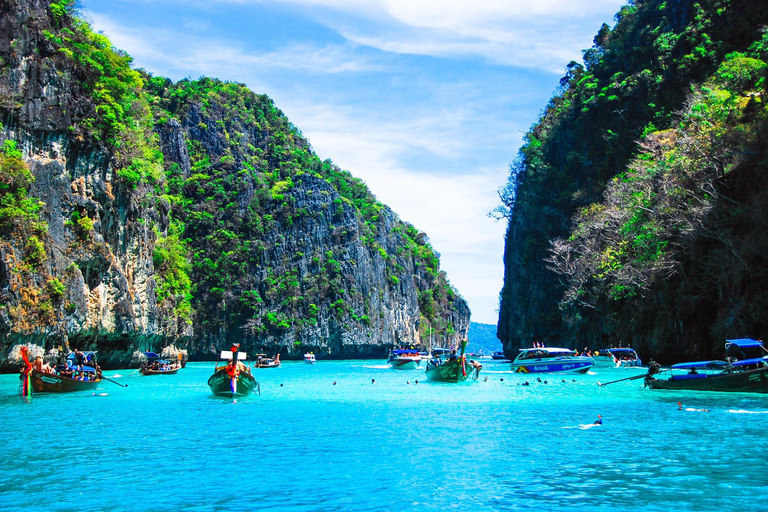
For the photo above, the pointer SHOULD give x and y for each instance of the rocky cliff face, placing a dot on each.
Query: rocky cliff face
(189, 213)
(636, 211)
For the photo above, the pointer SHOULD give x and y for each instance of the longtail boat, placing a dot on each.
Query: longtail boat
(267, 362)
(156, 366)
(454, 369)
(73, 375)
(234, 378)
(735, 375)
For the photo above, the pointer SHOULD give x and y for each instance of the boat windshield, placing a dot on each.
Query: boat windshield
(543, 353)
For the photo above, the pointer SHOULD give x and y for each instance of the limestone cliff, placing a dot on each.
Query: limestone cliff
(138, 213)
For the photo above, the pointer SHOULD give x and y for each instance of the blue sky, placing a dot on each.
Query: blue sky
(425, 100)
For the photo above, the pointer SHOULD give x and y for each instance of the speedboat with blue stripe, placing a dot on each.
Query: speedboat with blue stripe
(551, 360)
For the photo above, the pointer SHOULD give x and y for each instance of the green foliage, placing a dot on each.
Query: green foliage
(55, 288)
(81, 223)
(614, 217)
(34, 252)
(18, 212)
(174, 283)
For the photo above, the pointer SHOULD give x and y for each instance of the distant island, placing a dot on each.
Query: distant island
(482, 338)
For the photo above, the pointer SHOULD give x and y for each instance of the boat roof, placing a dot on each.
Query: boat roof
(151, 355)
(699, 364)
(622, 350)
(405, 351)
(745, 362)
(553, 350)
(744, 343)
(85, 368)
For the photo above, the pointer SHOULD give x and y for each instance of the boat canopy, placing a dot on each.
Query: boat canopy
(405, 351)
(746, 362)
(227, 354)
(699, 364)
(75, 367)
(151, 355)
(551, 350)
(744, 343)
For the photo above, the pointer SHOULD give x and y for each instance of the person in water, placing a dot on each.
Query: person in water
(599, 420)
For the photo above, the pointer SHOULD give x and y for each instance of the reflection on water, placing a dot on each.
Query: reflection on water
(305, 444)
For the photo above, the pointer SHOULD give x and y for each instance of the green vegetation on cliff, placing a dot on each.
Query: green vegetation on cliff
(190, 210)
(246, 190)
(633, 205)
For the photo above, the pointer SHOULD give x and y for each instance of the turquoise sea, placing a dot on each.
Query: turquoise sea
(165, 443)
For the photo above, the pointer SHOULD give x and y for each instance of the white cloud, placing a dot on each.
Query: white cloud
(227, 58)
(545, 34)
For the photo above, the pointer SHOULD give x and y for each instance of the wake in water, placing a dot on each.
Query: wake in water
(597, 423)
(584, 427)
(742, 411)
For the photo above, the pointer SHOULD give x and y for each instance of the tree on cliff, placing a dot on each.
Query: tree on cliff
(628, 177)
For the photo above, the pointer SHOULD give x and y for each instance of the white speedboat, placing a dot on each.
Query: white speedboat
(405, 359)
(551, 360)
(309, 358)
(617, 357)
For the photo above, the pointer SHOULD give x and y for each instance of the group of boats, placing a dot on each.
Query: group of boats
(744, 369)
(440, 364)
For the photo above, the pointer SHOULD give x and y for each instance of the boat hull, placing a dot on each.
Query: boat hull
(451, 371)
(267, 365)
(220, 384)
(606, 362)
(145, 371)
(564, 366)
(405, 364)
(51, 383)
(751, 381)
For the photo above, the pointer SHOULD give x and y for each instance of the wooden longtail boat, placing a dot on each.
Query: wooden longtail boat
(749, 381)
(53, 383)
(746, 375)
(455, 369)
(234, 378)
(64, 379)
(267, 362)
(156, 366)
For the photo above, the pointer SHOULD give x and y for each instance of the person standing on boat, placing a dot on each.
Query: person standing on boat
(599, 420)
(233, 370)
(80, 358)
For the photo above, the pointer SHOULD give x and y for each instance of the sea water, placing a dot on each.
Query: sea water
(378, 441)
